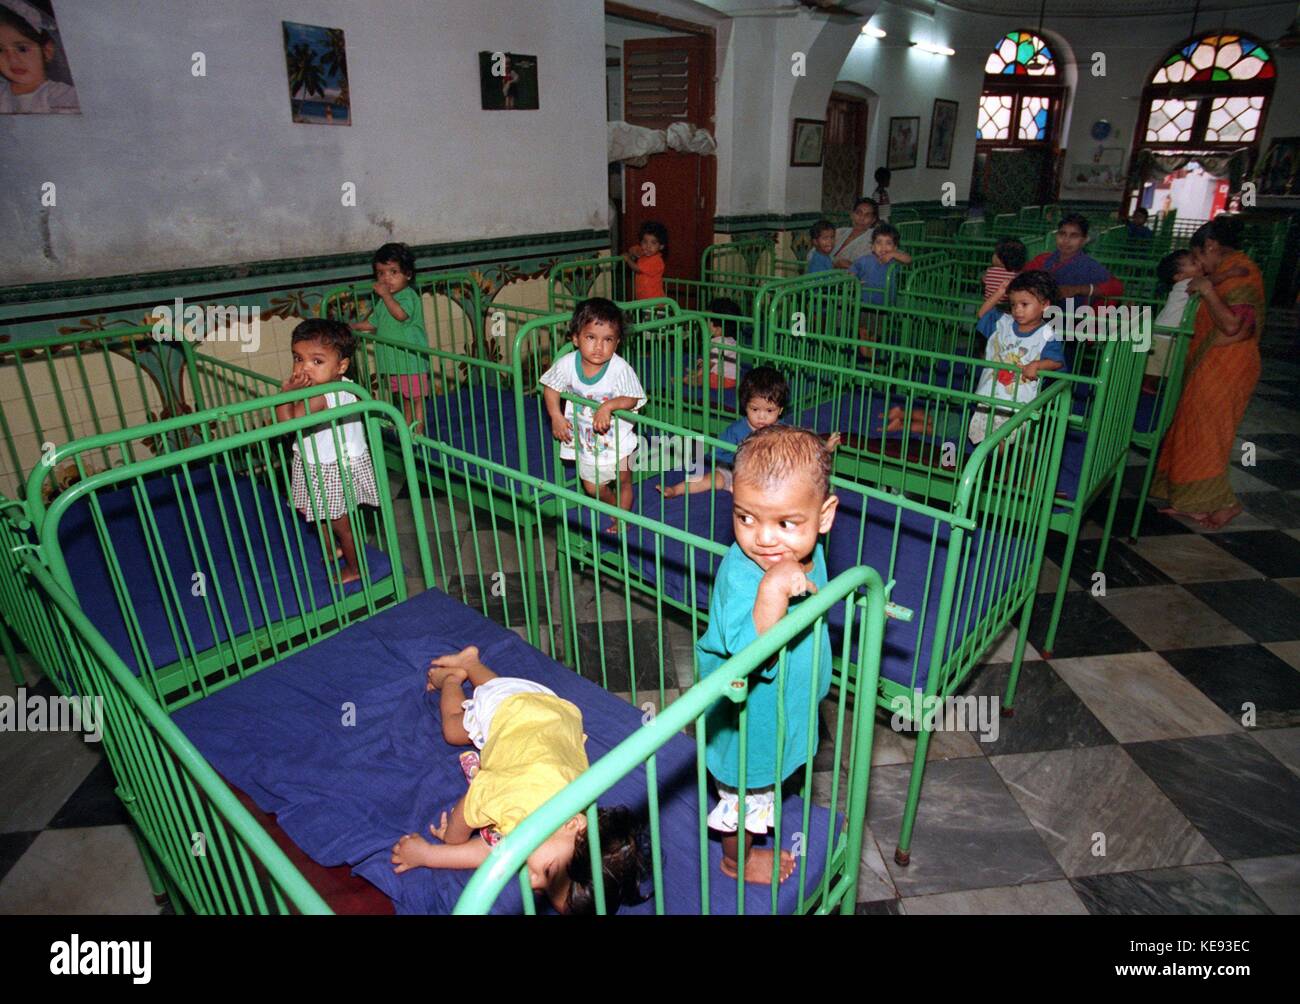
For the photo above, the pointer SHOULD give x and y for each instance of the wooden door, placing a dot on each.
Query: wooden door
(667, 80)
(846, 153)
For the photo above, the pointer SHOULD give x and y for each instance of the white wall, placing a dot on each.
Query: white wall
(908, 81)
(164, 170)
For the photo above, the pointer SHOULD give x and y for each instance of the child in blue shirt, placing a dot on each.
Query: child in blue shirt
(781, 504)
(1137, 225)
(879, 278)
(763, 397)
(1021, 338)
(823, 238)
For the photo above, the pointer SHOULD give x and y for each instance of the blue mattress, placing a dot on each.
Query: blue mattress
(346, 794)
(863, 533)
(481, 421)
(264, 561)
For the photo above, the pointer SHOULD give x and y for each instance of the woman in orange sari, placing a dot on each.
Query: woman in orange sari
(1221, 372)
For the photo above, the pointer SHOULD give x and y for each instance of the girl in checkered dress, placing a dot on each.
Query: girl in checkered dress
(332, 471)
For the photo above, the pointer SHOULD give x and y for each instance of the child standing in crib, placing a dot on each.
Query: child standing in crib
(322, 353)
(781, 504)
(399, 315)
(724, 327)
(1021, 338)
(602, 446)
(647, 261)
(1009, 257)
(820, 258)
(531, 745)
(879, 283)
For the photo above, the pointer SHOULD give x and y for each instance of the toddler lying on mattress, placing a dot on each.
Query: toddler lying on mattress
(532, 745)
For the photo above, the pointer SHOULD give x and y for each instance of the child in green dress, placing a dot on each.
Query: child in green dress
(399, 315)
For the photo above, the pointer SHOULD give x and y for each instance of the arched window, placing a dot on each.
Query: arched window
(1019, 113)
(1205, 101)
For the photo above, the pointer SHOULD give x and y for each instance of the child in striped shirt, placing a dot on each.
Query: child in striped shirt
(1009, 258)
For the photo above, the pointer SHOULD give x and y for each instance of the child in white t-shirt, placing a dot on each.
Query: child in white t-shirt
(1021, 338)
(602, 446)
(322, 353)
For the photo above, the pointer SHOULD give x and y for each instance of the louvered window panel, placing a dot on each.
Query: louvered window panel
(657, 92)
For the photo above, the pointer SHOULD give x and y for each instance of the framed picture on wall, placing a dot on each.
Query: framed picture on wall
(508, 81)
(943, 132)
(807, 143)
(1279, 171)
(318, 74)
(35, 77)
(903, 133)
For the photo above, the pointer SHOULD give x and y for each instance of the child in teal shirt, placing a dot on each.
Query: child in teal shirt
(399, 315)
(781, 504)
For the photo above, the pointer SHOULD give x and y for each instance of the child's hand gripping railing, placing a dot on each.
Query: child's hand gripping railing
(862, 593)
(198, 842)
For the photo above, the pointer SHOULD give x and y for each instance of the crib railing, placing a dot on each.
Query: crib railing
(204, 532)
(59, 387)
(861, 593)
(199, 844)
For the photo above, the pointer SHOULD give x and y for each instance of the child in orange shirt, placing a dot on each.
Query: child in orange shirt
(647, 260)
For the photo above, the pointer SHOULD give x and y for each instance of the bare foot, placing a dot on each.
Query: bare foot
(349, 575)
(922, 426)
(455, 666)
(758, 867)
(672, 491)
(1220, 518)
(894, 419)
(612, 529)
(1199, 517)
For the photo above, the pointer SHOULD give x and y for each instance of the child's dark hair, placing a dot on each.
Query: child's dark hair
(1168, 267)
(20, 24)
(597, 310)
(330, 333)
(864, 201)
(779, 453)
(1141, 211)
(396, 253)
(1225, 228)
(625, 863)
(766, 383)
(885, 230)
(1038, 282)
(1078, 219)
(883, 174)
(819, 228)
(730, 310)
(655, 229)
(1011, 253)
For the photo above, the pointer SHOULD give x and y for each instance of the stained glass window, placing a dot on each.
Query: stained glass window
(1234, 120)
(994, 116)
(1021, 54)
(1170, 120)
(1216, 57)
(1035, 111)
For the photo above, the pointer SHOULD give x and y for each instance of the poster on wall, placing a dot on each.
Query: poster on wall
(508, 81)
(35, 78)
(318, 74)
(806, 142)
(903, 133)
(943, 131)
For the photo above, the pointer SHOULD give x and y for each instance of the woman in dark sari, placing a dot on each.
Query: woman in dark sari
(1220, 375)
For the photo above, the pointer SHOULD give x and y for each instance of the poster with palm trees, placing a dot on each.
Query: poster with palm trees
(318, 74)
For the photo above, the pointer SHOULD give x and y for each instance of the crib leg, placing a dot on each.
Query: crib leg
(903, 854)
(1022, 637)
(157, 883)
(1110, 518)
(11, 656)
(1147, 478)
(1058, 604)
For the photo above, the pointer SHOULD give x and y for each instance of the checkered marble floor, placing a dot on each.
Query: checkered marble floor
(1152, 767)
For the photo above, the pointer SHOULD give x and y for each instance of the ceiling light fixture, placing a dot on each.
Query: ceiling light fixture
(872, 32)
(938, 50)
